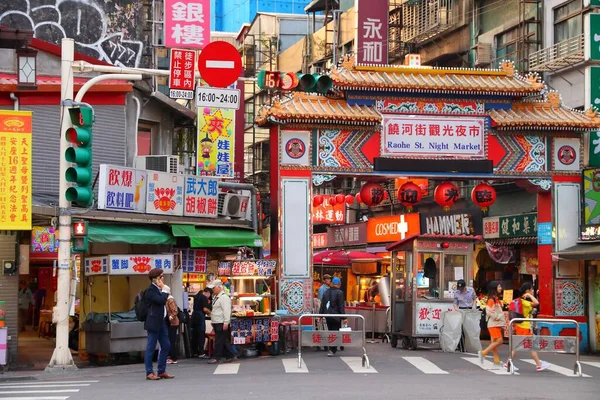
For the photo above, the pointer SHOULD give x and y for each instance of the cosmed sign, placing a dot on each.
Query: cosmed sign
(456, 137)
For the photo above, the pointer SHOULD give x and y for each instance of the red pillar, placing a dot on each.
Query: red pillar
(545, 270)
(274, 189)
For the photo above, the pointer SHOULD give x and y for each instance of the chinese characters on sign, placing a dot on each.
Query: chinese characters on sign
(224, 268)
(187, 23)
(128, 264)
(96, 266)
(545, 344)
(510, 226)
(122, 189)
(328, 214)
(15, 170)
(347, 235)
(372, 32)
(319, 240)
(194, 260)
(164, 194)
(253, 267)
(434, 136)
(201, 196)
(429, 317)
(44, 239)
(254, 330)
(216, 138)
(331, 338)
(183, 68)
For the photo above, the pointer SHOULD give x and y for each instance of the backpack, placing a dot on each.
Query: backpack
(515, 309)
(140, 306)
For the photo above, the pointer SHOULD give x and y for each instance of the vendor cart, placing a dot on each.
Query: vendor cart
(424, 272)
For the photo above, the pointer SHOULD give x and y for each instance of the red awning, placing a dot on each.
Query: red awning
(394, 246)
(342, 257)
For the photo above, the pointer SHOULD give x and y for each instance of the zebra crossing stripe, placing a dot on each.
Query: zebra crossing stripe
(227, 369)
(291, 366)
(488, 366)
(424, 365)
(591, 363)
(558, 369)
(355, 364)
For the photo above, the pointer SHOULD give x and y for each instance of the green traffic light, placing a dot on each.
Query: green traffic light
(79, 155)
(82, 196)
(79, 175)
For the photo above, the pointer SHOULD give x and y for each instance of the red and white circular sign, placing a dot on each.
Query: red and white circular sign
(220, 64)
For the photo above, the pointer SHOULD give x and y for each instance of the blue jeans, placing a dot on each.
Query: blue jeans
(162, 337)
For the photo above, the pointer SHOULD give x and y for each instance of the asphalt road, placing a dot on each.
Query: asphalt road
(394, 374)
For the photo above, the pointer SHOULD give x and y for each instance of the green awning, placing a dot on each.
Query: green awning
(132, 234)
(217, 237)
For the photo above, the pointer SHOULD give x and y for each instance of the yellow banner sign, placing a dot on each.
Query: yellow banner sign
(216, 139)
(15, 170)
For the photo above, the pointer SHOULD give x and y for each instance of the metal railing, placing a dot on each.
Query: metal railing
(350, 335)
(561, 55)
(544, 344)
(424, 20)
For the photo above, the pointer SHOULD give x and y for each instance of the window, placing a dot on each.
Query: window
(568, 21)
(506, 45)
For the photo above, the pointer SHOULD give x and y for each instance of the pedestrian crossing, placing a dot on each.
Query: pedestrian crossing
(42, 390)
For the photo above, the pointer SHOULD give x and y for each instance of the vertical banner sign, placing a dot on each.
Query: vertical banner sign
(591, 32)
(194, 260)
(216, 138)
(372, 31)
(592, 98)
(15, 170)
(201, 197)
(122, 189)
(187, 23)
(181, 79)
(164, 195)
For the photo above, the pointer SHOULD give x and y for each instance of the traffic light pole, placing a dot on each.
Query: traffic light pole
(61, 358)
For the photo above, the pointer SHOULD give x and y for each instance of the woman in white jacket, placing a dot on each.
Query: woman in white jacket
(495, 321)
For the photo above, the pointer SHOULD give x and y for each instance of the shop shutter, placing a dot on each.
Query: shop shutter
(9, 288)
(108, 144)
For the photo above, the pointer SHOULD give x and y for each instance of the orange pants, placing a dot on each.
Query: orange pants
(522, 331)
(495, 332)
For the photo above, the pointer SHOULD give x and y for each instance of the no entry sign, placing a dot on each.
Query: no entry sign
(220, 64)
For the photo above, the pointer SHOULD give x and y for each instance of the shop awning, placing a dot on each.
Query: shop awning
(582, 251)
(217, 237)
(132, 234)
(341, 257)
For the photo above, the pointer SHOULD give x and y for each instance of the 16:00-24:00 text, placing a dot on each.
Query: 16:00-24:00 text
(223, 98)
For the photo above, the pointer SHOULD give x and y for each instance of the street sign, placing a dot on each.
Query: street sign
(218, 98)
(220, 64)
(80, 228)
(181, 78)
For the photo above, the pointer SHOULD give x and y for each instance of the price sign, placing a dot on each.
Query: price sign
(218, 98)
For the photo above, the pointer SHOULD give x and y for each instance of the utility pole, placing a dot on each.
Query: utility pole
(61, 358)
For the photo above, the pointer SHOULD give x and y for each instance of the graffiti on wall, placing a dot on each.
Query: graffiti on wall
(105, 30)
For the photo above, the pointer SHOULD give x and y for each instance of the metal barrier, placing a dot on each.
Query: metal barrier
(388, 326)
(544, 344)
(332, 338)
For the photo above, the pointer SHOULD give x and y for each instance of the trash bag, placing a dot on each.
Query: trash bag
(450, 330)
(472, 330)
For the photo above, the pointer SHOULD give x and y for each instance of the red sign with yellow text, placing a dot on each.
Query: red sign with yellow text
(392, 228)
(328, 214)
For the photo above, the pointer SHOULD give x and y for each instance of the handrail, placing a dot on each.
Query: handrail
(558, 51)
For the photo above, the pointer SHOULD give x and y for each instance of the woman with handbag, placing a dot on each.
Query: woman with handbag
(495, 321)
(173, 325)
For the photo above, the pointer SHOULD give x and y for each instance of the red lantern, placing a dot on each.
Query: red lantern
(332, 201)
(349, 199)
(446, 195)
(358, 199)
(483, 195)
(339, 199)
(372, 194)
(318, 200)
(409, 195)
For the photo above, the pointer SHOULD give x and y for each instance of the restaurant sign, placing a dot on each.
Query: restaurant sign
(201, 196)
(96, 266)
(347, 235)
(326, 213)
(194, 260)
(121, 189)
(319, 240)
(253, 267)
(459, 224)
(164, 194)
(510, 226)
(429, 317)
(455, 137)
(139, 264)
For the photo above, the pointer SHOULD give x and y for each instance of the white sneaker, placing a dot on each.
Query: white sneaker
(480, 354)
(514, 367)
(543, 367)
(330, 354)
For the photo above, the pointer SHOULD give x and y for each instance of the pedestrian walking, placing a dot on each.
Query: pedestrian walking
(173, 325)
(495, 321)
(528, 301)
(25, 302)
(333, 303)
(155, 300)
(202, 307)
(220, 319)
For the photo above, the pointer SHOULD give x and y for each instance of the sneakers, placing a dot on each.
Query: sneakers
(171, 361)
(203, 356)
(480, 354)
(544, 366)
(330, 354)
(514, 367)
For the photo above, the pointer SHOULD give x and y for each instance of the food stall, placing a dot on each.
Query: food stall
(252, 290)
(422, 283)
(118, 330)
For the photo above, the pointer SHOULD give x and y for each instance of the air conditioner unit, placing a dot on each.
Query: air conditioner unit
(168, 164)
(483, 54)
(233, 205)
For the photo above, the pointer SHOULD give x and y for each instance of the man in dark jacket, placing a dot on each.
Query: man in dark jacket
(333, 303)
(156, 325)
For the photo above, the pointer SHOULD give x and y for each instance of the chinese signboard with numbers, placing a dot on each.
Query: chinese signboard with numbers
(510, 226)
(347, 235)
(164, 194)
(332, 338)
(433, 137)
(15, 170)
(187, 23)
(201, 196)
(429, 317)
(121, 189)
(139, 264)
(216, 139)
(372, 32)
(545, 344)
(183, 69)
(193, 260)
(96, 266)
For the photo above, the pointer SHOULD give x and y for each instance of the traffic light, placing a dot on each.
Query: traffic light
(80, 136)
(275, 80)
(79, 239)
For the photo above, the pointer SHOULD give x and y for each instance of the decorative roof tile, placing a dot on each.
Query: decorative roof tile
(316, 109)
(502, 81)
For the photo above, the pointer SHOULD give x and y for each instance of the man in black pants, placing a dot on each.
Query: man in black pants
(220, 319)
(333, 303)
(202, 306)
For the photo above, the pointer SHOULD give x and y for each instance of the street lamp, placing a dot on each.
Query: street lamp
(27, 66)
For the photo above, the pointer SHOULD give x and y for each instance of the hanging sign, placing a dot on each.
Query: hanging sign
(121, 189)
(194, 260)
(347, 235)
(187, 23)
(458, 224)
(224, 268)
(253, 267)
(326, 213)
(452, 137)
(139, 264)
(372, 32)
(181, 78)
(96, 266)
(15, 170)
(44, 239)
(319, 240)
(216, 139)
(201, 197)
(164, 195)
